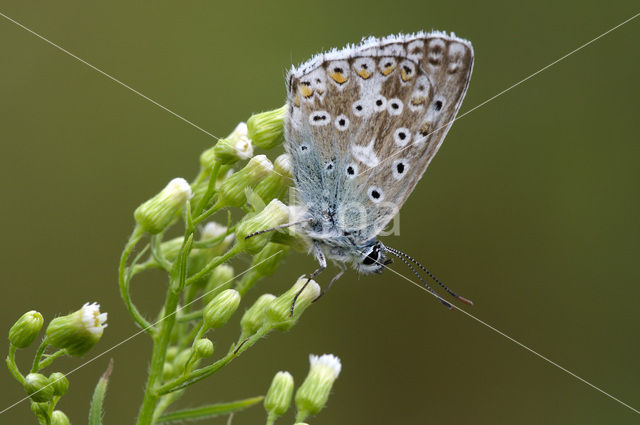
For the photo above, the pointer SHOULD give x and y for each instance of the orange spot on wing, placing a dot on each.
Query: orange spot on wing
(338, 77)
(364, 74)
(305, 91)
(388, 70)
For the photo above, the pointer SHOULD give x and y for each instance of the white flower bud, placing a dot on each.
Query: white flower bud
(157, 213)
(312, 395)
(78, 331)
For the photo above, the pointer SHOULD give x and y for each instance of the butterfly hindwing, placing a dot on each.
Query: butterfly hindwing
(363, 123)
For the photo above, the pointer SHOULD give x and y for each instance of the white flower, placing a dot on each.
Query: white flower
(179, 190)
(241, 142)
(326, 363)
(92, 319)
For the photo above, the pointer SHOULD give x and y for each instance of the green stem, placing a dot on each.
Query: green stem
(210, 190)
(194, 315)
(162, 338)
(202, 373)
(50, 358)
(164, 403)
(156, 253)
(124, 281)
(36, 359)
(301, 416)
(271, 418)
(210, 411)
(12, 366)
(236, 249)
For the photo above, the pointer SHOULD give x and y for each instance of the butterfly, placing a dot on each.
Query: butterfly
(362, 125)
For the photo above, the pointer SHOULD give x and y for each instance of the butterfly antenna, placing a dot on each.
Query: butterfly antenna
(415, 272)
(401, 254)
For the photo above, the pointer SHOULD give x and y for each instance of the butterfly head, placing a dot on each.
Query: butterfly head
(371, 259)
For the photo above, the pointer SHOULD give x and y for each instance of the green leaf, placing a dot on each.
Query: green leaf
(95, 411)
(209, 411)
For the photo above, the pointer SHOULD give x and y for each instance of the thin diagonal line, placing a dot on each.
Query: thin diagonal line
(531, 350)
(109, 76)
(509, 88)
(137, 333)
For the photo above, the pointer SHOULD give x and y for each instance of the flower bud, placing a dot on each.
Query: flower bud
(312, 395)
(38, 388)
(254, 317)
(26, 329)
(232, 190)
(203, 348)
(221, 308)
(221, 278)
(278, 398)
(41, 410)
(279, 310)
(157, 213)
(266, 129)
(79, 331)
(274, 214)
(276, 184)
(213, 230)
(59, 383)
(59, 418)
(233, 148)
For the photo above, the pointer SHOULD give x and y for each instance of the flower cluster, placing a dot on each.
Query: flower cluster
(73, 335)
(204, 291)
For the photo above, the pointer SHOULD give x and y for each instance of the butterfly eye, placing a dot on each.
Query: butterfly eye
(371, 258)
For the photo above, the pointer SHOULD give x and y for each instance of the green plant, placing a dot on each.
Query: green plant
(202, 293)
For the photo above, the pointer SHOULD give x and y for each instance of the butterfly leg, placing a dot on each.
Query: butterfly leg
(323, 265)
(343, 269)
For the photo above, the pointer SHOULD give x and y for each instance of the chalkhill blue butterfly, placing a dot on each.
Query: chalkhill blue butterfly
(362, 125)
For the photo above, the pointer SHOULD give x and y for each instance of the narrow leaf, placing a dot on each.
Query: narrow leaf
(209, 411)
(95, 411)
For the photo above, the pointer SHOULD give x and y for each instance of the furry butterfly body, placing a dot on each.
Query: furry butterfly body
(362, 125)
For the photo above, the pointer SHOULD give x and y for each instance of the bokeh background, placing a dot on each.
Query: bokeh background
(530, 209)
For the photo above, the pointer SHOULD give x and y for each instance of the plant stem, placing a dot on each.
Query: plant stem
(136, 235)
(213, 264)
(36, 359)
(200, 374)
(12, 366)
(162, 338)
(50, 358)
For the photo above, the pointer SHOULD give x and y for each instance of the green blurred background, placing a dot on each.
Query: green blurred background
(530, 209)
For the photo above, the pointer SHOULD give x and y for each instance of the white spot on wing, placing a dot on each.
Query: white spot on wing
(342, 122)
(402, 136)
(394, 106)
(400, 168)
(365, 154)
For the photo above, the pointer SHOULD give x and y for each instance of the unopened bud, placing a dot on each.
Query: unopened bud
(279, 310)
(255, 316)
(266, 129)
(58, 417)
(26, 329)
(221, 278)
(313, 394)
(276, 184)
(221, 308)
(157, 213)
(38, 388)
(274, 214)
(278, 398)
(203, 348)
(215, 231)
(235, 147)
(59, 382)
(232, 191)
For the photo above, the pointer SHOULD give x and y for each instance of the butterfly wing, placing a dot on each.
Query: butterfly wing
(364, 122)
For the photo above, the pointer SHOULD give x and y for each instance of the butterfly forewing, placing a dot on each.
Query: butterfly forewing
(364, 122)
